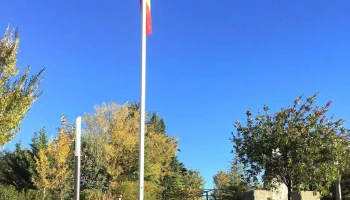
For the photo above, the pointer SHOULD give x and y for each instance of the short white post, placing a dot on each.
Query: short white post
(338, 190)
(77, 159)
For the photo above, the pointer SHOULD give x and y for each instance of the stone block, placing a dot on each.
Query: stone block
(269, 195)
(257, 195)
(305, 195)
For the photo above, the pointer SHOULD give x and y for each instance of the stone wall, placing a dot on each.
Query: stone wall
(267, 195)
(257, 195)
(305, 195)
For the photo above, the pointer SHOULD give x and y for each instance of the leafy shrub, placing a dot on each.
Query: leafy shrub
(9, 192)
(96, 195)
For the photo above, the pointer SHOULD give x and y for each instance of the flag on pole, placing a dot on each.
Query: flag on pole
(148, 17)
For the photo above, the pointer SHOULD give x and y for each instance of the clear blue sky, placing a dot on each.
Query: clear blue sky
(208, 61)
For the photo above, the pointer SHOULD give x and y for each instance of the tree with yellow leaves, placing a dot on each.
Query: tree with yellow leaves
(52, 165)
(16, 95)
(191, 186)
(118, 126)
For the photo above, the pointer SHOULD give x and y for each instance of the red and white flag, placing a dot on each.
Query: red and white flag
(148, 17)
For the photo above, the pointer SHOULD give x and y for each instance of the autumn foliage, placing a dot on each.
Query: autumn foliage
(17, 93)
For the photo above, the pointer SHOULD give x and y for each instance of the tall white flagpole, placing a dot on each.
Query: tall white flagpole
(142, 102)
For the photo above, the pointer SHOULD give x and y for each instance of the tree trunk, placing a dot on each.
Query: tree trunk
(289, 192)
(61, 194)
(44, 196)
(289, 186)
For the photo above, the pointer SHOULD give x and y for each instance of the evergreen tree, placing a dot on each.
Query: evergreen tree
(15, 169)
(171, 183)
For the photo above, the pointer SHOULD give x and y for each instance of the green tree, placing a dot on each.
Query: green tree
(93, 163)
(230, 184)
(171, 182)
(18, 167)
(157, 124)
(17, 93)
(39, 141)
(298, 146)
(15, 169)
